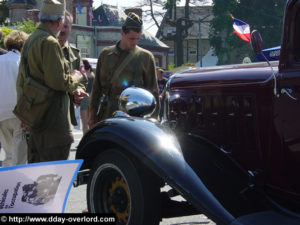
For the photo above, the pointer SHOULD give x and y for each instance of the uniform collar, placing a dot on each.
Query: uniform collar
(67, 45)
(46, 29)
(117, 50)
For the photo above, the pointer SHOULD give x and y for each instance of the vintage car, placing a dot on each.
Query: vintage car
(229, 144)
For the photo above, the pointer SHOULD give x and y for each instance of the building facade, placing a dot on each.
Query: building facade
(92, 29)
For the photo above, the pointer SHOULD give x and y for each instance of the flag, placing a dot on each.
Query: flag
(91, 13)
(82, 69)
(79, 7)
(242, 29)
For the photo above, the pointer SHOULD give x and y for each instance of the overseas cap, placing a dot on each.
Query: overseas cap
(54, 7)
(133, 21)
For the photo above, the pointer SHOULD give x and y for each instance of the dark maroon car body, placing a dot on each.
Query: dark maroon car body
(236, 110)
(250, 113)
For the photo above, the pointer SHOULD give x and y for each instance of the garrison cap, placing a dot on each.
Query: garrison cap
(133, 21)
(54, 7)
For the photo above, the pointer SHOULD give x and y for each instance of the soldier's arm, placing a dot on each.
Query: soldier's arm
(84, 81)
(53, 65)
(151, 81)
(96, 93)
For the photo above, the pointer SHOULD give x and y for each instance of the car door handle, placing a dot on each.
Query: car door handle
(288, 92)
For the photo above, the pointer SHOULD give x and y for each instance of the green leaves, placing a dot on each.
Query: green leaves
(27, 26)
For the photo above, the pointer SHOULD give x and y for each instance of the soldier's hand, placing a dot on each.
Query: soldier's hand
(24, 127)
(77, 75)
(79, 95)
(91, 123)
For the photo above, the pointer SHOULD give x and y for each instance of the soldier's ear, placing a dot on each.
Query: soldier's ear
(60, 22)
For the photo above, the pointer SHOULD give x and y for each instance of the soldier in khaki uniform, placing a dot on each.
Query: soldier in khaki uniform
(139, 71)
(47, 65)
(72, 57)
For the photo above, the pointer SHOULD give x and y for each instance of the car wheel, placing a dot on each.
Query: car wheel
(117, 185)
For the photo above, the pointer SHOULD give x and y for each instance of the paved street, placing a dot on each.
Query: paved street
(77, 197)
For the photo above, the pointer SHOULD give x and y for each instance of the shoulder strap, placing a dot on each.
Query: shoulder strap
(25, 52)
(137, 71)
(122, 65)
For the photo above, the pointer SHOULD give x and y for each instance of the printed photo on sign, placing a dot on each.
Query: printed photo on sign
(38, 187)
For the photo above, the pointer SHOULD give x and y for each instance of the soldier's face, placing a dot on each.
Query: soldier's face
(66, 29)
(130, 40)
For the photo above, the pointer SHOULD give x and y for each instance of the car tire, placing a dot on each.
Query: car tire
(118, 185)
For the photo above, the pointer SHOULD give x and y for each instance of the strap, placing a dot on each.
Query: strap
(25, 52)
(137, 72)
(123, 64)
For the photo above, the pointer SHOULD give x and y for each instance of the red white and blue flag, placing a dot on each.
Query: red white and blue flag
(242, 29)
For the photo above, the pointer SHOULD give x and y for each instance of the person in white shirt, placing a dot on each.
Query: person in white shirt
(12, 137)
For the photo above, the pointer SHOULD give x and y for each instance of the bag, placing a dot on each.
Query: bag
(34, 103)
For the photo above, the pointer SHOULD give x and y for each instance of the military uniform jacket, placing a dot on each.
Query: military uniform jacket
(110, 58)
(73, 62)
(72, 55)
(47, 65)
(73, 58)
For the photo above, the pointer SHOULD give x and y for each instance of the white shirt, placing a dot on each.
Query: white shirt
(9, 64)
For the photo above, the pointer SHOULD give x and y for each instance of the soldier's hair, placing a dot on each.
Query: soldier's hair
(67, 13)
(86, 64)
(50, 18)
(15, 40)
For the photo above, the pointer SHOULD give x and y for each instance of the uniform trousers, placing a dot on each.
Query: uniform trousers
(13, 142)
(49, 145)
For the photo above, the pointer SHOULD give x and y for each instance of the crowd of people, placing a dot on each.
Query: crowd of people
(45, 68)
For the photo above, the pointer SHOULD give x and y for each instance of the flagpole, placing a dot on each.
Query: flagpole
(200, 43)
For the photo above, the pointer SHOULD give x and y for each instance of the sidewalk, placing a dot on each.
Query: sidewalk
(77, 197)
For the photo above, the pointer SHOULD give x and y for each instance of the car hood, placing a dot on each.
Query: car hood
(241, 74)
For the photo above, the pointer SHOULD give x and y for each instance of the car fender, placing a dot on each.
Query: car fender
(157, 148)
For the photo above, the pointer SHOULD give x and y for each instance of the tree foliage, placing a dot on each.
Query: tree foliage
(168, 15)
(27, 26)
(265, 16)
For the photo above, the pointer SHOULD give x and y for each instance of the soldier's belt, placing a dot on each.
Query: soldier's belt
(112, 97)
